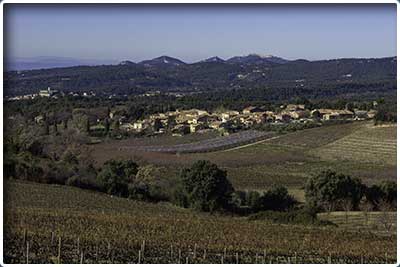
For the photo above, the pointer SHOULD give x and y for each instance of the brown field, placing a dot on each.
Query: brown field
(70, 225)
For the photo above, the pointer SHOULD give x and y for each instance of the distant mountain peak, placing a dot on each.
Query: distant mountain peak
(213, 59)
(163, 60)
(127, 62)
(261, 56)
(257, 59)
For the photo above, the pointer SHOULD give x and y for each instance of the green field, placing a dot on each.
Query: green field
(71, 225)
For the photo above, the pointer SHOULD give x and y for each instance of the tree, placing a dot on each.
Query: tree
(116, 126)
(366, 207)
(386, 191)
(115, 176)
(373, 194)
(149, 184)
(206, 187)
(55, 127)
(80, 122)
(384, 215)
(87, 125)
(107, 126)
(65, 124)
(330, 188)
(347, 206)
(389, 192)
(46, 127)
(157, 125)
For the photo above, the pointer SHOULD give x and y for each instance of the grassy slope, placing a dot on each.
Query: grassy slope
(101, 221)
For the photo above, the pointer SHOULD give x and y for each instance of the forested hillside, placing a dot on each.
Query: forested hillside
(280, 78)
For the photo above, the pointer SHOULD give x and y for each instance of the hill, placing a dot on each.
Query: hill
(69, 225)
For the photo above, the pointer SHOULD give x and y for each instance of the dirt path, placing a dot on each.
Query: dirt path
(251, 144)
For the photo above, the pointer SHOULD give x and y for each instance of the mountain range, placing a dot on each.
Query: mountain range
(168, 74)
(47, 62)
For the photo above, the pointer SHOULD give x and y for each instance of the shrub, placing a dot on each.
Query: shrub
(27, 167)
(58, 172)
(86, 181)
(276, 199)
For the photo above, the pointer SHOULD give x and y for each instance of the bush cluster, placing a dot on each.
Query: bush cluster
(300, 216)
(276, 199)
(329, 191)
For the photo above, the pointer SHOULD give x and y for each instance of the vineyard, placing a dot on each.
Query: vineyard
(372, 144)
(382, 223)
(213, 144)
(60, 224)
(288, 159)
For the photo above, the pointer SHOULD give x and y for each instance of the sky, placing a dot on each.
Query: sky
(195, 32)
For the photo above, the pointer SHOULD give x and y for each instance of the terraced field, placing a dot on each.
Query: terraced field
(375, 144)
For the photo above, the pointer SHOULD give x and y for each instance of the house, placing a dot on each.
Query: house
(360, 114)
(330, 116)
(48, 93)
(141, 125)
(322, 111)
(127, 127)
(251, 109)
(196, 127)
(292, 107)
(371, 114)
(316, 114)
(299, 114)
(226, 115)
(345, 114)
(283, 117)
(338, 115)
(215, 124)
(180, 130)
(193, 112)
(201, 119)
(158, 116)
(182, 118)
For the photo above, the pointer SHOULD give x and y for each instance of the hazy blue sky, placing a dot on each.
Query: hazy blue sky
(193, 32)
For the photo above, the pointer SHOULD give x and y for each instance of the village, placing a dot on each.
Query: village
(225, 121)
(181, 122)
